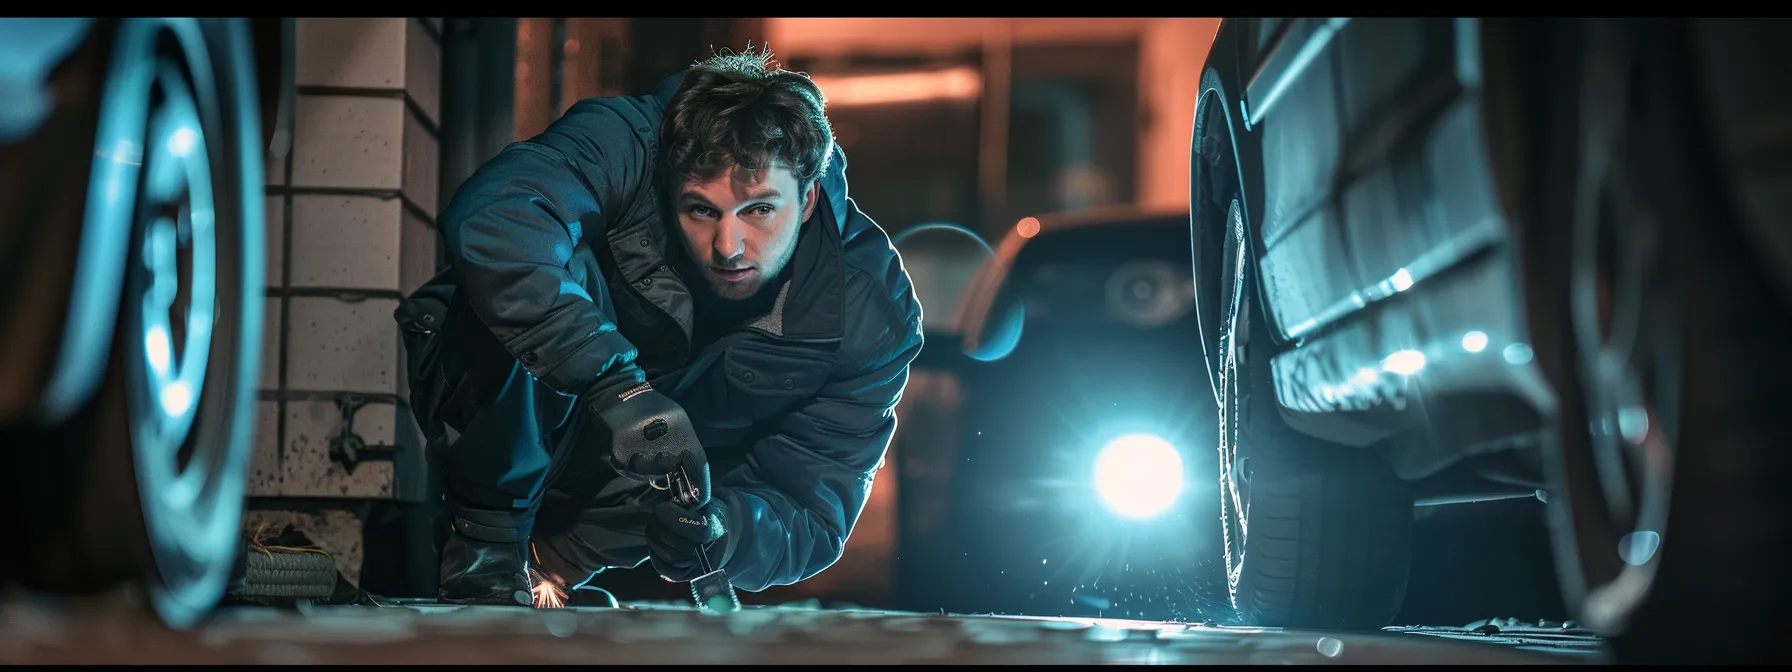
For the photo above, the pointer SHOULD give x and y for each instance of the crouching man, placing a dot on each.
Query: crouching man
(654, 283)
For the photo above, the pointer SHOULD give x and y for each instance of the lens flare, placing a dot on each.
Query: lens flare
(1138, 475)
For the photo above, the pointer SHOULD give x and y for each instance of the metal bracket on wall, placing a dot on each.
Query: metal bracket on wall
(348, 448)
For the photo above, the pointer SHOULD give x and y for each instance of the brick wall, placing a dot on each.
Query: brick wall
(351, 229)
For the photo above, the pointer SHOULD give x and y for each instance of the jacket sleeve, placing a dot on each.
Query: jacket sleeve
(789, 510)
(511, 230)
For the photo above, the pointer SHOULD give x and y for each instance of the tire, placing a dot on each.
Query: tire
(288, 574)
(1317, 535)
(144, 484)
(1704, 476)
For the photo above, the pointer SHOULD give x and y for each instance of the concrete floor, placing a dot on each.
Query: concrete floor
(109, 631)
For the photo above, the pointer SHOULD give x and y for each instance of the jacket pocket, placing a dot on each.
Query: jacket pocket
(769, 379)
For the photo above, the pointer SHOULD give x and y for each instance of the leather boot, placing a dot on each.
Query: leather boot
(483, 561)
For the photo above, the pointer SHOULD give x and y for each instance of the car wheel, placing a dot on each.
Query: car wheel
(1316, 534)
(144, 483)
(1650, 315)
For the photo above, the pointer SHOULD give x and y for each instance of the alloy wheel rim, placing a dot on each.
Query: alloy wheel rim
(1234, 460)
(180, 438)
(1627, 336)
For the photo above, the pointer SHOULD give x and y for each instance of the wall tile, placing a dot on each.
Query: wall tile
(341, 345)
(264, 463)
(422, 165)
(276, 241)
(418, 259)
(352, 52)
(306, 467)
(346, 241)
(354, 142)
(423, 70)
(271, 338)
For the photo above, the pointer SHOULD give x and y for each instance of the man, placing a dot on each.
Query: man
(668, 281)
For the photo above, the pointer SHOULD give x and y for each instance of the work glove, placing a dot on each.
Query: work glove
(650, 437)
(676, 534)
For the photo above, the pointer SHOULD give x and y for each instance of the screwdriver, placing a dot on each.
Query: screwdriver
(712, 591)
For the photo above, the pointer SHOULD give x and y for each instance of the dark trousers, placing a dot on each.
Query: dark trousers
(512, 444)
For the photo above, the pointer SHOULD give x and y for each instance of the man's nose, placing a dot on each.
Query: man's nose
(730, 239)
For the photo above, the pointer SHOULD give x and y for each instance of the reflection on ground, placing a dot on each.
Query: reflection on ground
(103, 632)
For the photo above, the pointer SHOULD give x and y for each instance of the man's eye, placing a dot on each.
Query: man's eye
(698, 211)
(762, 210)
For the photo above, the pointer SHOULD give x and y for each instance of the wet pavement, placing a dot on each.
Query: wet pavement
(101, 632)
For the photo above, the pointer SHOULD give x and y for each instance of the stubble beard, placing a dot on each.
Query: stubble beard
(736, 291)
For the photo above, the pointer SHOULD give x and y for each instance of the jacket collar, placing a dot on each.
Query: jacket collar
(812, 306)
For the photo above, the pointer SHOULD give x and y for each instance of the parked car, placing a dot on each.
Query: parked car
(1479, 258)
(131, 281)
(1047, 449)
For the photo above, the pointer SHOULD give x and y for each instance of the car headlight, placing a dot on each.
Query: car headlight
(1138, 476)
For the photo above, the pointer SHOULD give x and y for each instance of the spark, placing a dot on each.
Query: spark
(548, 594)
(545, 587)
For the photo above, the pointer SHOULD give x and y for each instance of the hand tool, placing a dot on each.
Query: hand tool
(711, 590)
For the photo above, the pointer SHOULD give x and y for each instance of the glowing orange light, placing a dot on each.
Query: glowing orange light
(547, 595)
(960, 83)
(1028, 227)
(544, 586)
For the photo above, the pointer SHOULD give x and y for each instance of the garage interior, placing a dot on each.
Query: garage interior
(383, 117)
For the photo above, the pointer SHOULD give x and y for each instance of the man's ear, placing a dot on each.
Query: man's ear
(810, 198)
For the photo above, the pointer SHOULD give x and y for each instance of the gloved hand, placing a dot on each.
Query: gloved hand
(650, 435)
(675, 534)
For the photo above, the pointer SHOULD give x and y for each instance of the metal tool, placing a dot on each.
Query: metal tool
(712, 591)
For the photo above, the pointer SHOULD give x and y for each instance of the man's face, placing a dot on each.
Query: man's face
(741, 227)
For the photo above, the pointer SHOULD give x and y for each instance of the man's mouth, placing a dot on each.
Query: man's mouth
(731, 274)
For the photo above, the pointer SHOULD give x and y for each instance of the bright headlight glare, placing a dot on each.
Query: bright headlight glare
(1138, 475)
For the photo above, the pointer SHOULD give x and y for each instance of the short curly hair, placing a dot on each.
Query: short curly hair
(742, 108)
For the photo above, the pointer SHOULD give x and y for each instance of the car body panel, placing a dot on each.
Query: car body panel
(1379, 233)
